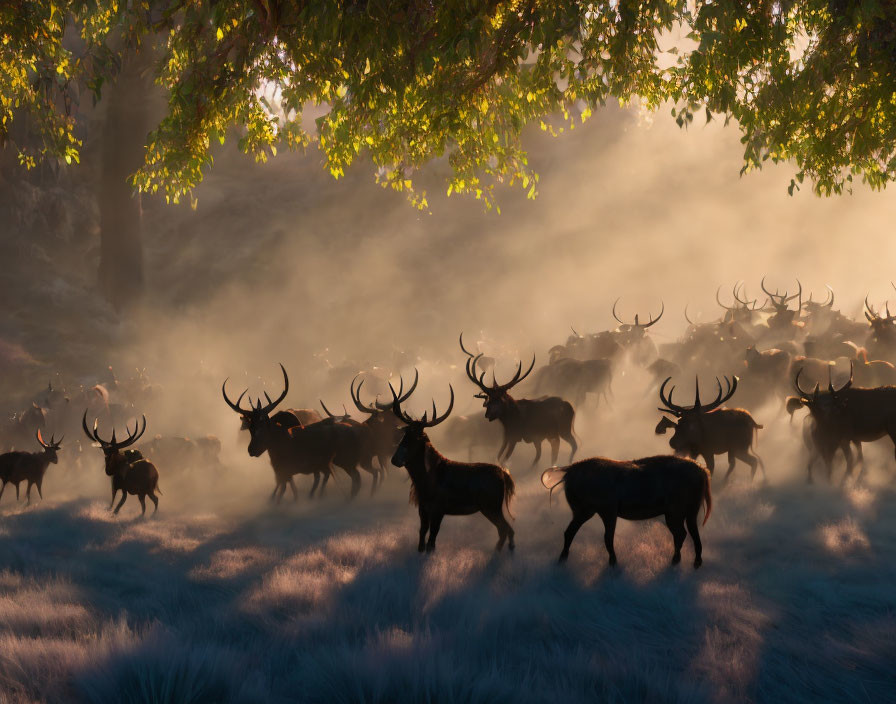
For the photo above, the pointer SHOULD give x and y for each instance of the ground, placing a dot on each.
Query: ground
(330, 601)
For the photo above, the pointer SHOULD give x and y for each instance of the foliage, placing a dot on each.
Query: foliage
(406, 82)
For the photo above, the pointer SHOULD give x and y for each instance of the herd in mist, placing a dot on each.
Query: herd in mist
(784, 354)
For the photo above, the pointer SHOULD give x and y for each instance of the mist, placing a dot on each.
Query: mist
(280, 263)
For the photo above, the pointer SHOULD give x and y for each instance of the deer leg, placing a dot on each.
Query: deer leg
(2, 489)
(676, 527)
(693, 529)
(155, 501)
(745, 456)
(17, 491)
(500, 451)
(424, 528)
(710, 460)
(850, 462)
(578, 519)
(292, 485)
(28, 492)
(555, 450)
(314, 486)
(572, 444)
(124, 497)
(356, 480)
(510, 448)
(39, 492)
(731, 462)
(504, 530)
(609, 532)
(142, 498)
(112, 502)
(538, 444)
(435, 522)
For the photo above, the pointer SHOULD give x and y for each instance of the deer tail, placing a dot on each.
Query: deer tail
(509, 490)
(551, 479)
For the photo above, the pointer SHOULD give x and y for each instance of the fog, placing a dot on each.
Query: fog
(328, 600)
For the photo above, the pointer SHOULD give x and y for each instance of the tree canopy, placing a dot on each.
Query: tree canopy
(808, 81)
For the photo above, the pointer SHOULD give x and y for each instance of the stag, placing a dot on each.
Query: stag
(709, 430)
(847, 415)
(385, 428)
(366, 443)
(131, 473)
(882, 332)
(16, 467)
(299, 449)
(531, 421)
(783, 319)
(673, 487)
(441, 487)
(743, 311)
(633, 336)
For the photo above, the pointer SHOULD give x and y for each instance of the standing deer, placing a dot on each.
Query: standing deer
(298, 449)
(20, 466)
(672, 487)
(708, 430)
(532, 421)
(131, 473)
(441, 487)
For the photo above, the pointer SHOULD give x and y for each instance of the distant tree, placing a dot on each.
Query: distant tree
(809, 81)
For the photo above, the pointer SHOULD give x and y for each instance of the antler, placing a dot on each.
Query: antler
(845, 386)
(52, 445)
(234, 406)
(686, 315)
(402, 394)
(746, 304)
(516, 377)
(721, 398)
(799, 390)
(113, 443)
(719, 300)
(470, 368)
(637, 324)
(670, 407)
(333, 415)
(434, 420)
(273, 404)
(466, 351)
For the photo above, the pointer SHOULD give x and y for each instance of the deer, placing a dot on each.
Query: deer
(633, 336)
(881, 340)
(709, 430)
(19, 466)
(130, 472)
(298, 449)
(783, 319)
(441, 487)
(531, 421)
(846, 415)
(673, 487)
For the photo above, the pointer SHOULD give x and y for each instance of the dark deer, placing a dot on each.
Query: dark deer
(20, 466)
(847, 415)
(633, 336)
(298, 449)
(672, 487)
(384, 426)
(131, 473)
(532, 421)
(441, 487)
(709, 430)
(783, 318)
(882, 332)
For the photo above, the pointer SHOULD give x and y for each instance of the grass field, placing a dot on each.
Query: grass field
(237, 601)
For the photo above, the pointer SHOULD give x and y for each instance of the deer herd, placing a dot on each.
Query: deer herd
(782, 355)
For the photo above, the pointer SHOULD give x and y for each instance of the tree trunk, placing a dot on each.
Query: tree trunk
(126, 125)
